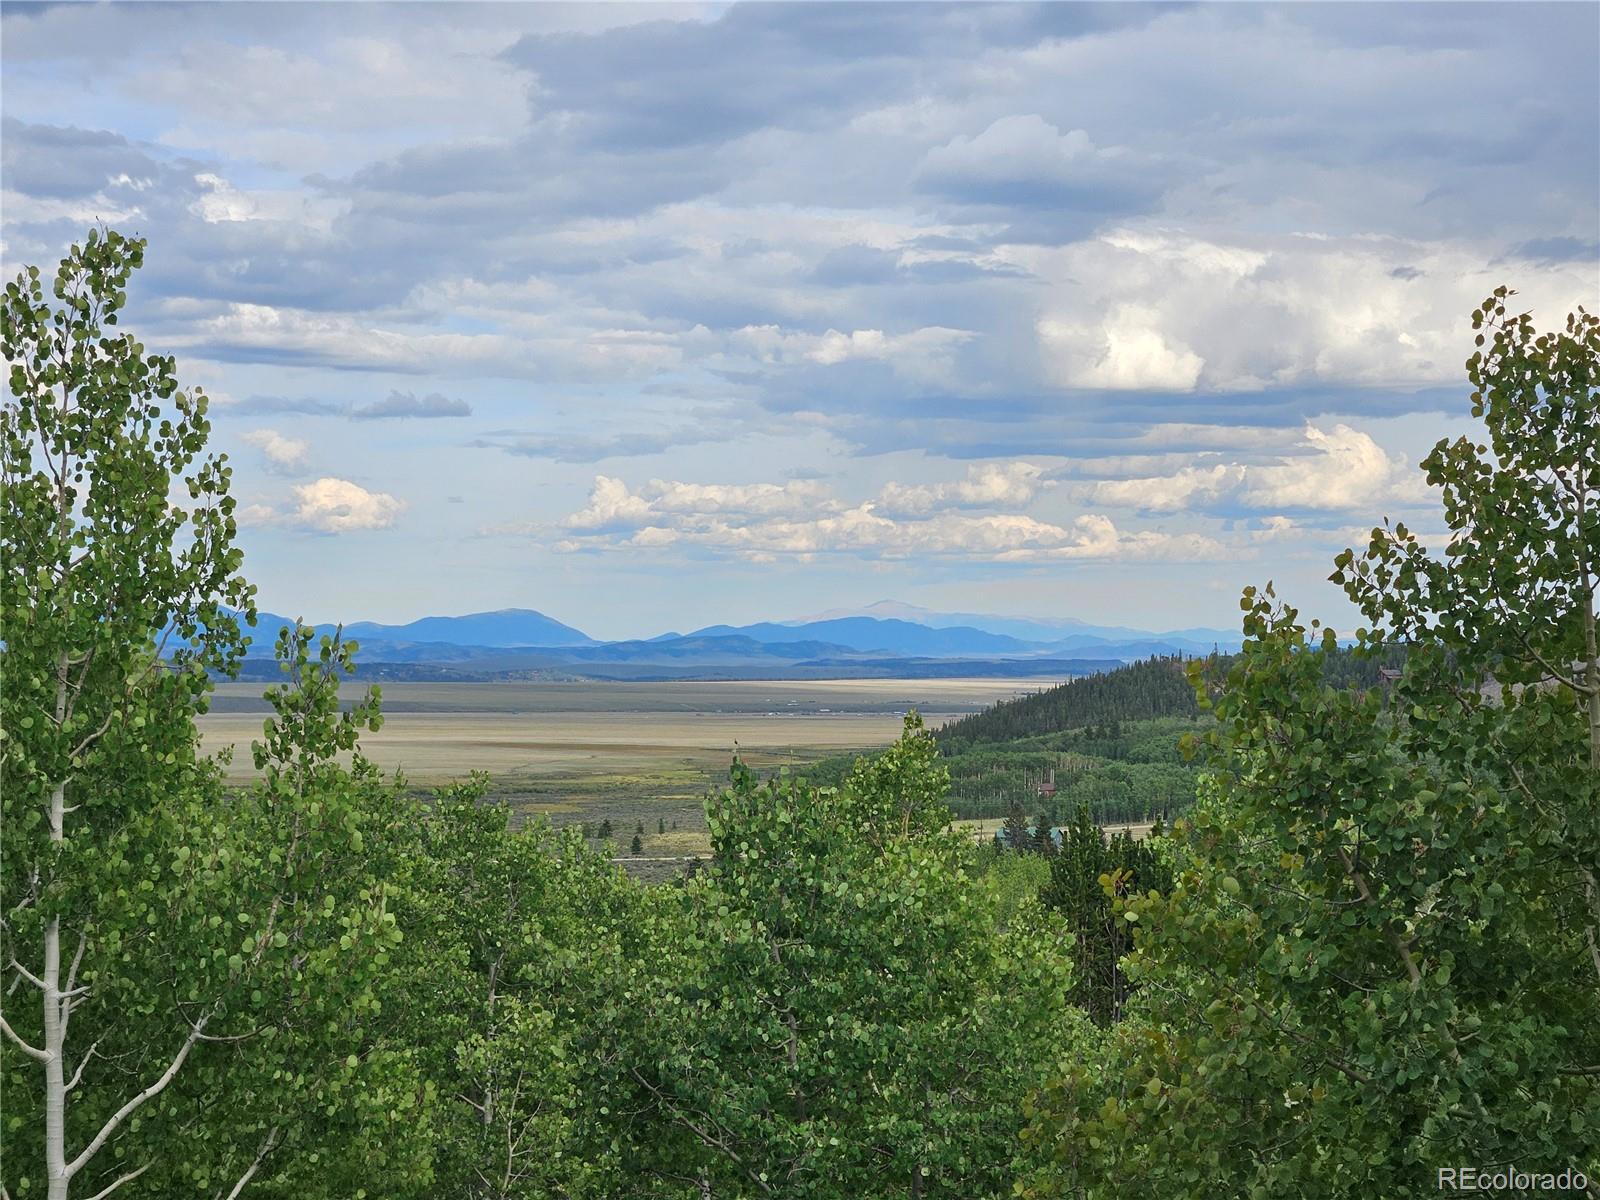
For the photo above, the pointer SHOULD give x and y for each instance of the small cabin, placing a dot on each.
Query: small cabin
(1047, 787)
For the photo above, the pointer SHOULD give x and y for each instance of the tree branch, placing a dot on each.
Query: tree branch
(71, 991)
(27, 974)
(1389, 934)
(709, 1140)
(133, 1105)
(118, 1182)
(27, 1048)
(268, 1145)
(82, 1063)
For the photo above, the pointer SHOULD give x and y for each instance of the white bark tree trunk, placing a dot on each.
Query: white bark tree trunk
(55, 1026)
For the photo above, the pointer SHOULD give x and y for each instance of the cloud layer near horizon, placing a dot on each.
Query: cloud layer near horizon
(954, 291)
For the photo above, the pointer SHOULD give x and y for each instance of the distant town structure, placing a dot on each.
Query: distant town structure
(1047, 786)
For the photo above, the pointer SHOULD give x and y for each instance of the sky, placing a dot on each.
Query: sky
(654, 316)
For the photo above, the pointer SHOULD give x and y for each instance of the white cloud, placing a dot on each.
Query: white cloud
(282, 453)
(1345, 469)
(1013, 147)
(1341, 468)
(1125, 351)
(23, 210)
(1187, 488)
(917, 354)
(331, 505)
(222, 202)
(1276, 529)
(337, 340)
(256, 515)
(990, 485)
(613, 505)
(802, 519)
(1159, 309)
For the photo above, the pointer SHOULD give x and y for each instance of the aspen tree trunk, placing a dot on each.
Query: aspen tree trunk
(57, 1177)
(1588, 575)
(1591, 651)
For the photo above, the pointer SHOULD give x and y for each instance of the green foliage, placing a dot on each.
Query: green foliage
(1122, 772)
(1015, 832)
(1090, 871)
(1014, 881)
(189, 973)
(513, 987)
(1378, 956)
(844, 1014)
(1111, 741)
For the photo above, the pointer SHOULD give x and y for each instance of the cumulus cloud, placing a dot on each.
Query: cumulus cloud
(328, 505)
(613, 505)
(282, 453)
(1344, 469)
(989, 485)
(1023, 161)
(1335, 469)
(1125, 351)
(1160, 310)
(803, 519)
(332, 505)
(1190, 487)
(221, 201)
(401, 405)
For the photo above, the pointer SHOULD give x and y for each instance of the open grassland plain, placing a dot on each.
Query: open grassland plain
(639, 755)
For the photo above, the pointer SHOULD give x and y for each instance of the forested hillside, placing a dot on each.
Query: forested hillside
(1118, 773)
(1370, 949)
(1156, 687)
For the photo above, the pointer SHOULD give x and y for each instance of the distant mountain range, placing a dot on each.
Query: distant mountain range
(508, 627)
(874, 634)
(882, 639)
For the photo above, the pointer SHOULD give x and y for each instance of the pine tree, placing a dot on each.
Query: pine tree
(1016, 828)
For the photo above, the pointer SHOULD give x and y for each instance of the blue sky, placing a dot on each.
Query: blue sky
(654, 316)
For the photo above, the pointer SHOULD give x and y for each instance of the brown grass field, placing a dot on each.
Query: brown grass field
(637, 754)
